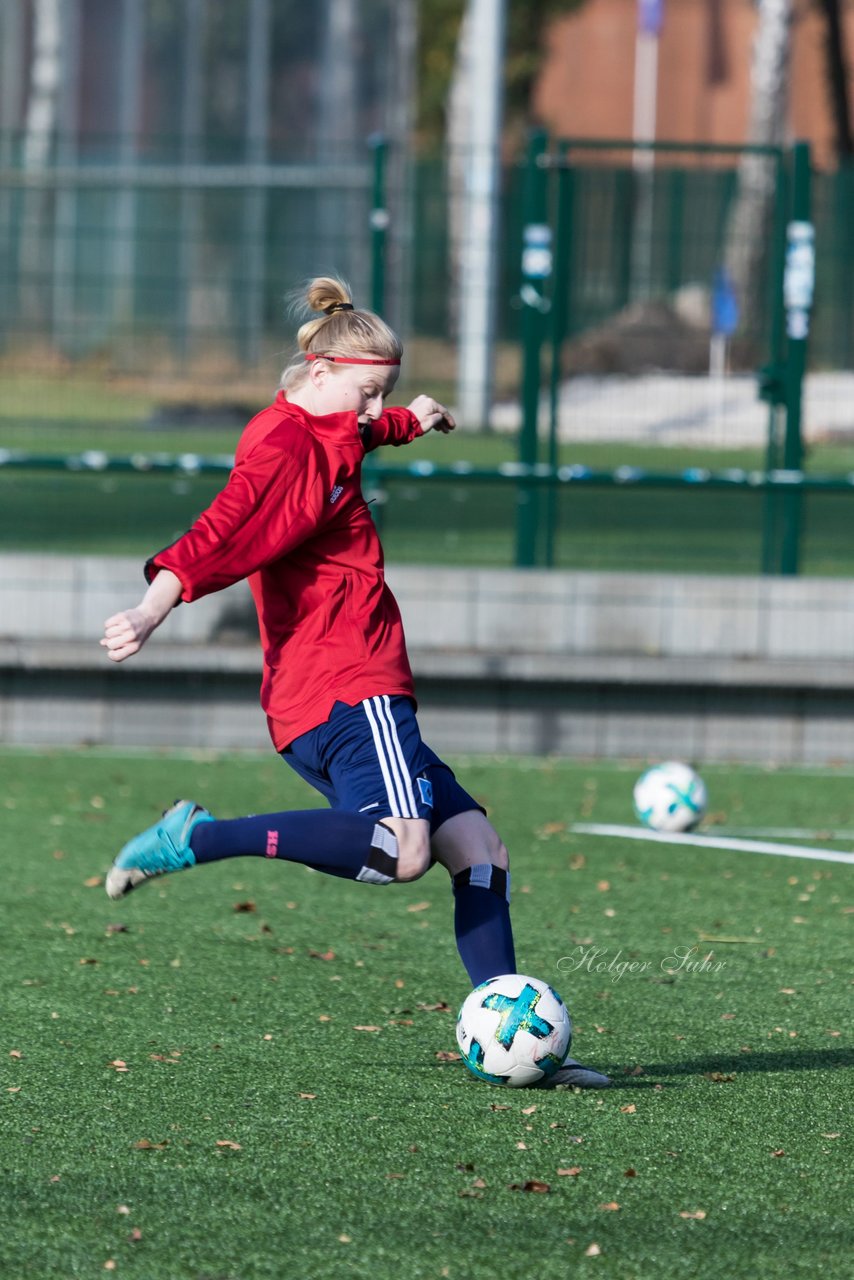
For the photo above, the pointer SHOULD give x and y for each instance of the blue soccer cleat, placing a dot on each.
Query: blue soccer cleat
(572, 1075)
(161, 848)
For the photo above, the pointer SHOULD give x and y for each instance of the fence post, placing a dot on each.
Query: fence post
(379, 221)
(536, 268)
(773, 376)
(798, 284)
(561, 296)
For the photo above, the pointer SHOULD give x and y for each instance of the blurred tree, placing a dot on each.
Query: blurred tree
(837, 78)
(439, 29)
(747, 231)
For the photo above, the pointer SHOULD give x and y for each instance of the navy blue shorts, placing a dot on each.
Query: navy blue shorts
(370, 759)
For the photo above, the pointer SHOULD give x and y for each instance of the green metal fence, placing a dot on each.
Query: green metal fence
(637, 253)
(602, 478)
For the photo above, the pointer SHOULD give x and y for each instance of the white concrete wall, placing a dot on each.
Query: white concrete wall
(490, 611)
(589, 664)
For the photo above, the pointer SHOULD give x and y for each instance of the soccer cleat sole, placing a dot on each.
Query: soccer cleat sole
(119, 882)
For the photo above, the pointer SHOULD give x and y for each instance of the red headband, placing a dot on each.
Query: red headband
(318, 355)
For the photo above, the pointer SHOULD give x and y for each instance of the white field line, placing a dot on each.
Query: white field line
(789, 833)
(713, 842)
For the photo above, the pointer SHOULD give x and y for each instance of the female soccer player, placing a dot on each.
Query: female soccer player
(337, 687)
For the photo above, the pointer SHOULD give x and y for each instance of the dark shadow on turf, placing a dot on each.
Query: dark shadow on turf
(736, 1064)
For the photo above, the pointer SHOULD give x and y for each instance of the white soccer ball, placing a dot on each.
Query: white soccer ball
(670, 797)
(513, 1030)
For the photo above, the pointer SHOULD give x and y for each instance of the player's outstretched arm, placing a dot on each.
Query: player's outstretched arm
(431, 415)
(125, 633)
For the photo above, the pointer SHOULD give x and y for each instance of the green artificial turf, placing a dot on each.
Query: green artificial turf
(240, 1071)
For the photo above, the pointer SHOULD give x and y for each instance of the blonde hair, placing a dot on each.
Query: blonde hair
(340, 330)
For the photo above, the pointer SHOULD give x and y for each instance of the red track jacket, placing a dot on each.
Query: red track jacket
(293, 521)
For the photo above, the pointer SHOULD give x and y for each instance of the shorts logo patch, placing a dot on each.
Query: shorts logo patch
(425, 786)
(336, 493)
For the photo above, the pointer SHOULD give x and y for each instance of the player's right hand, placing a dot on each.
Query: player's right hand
(125, 633)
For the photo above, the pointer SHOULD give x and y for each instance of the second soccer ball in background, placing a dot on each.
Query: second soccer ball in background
(670, 797)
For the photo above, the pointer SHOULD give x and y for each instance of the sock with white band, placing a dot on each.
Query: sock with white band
(482, 921)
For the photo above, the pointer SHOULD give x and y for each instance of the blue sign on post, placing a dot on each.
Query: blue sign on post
(725, 312)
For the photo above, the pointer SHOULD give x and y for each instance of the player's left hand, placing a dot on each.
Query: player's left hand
(432, 415)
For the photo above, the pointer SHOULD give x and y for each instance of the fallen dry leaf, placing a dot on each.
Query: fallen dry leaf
(322, 955)
(418, 906)
(720, 1077)
(135, 1234)
(529, 1111)
(778, 1152)
(593, 1250)
(610, 1205)
(447, 1055)
(122, 1208)
(15, 1053)
(309, 1096)
(118, 1064)
(245, 906)
(145, 1145)
(533, 1184)
(117, 928)
(629, 1109)
(110, 1264)
(93, 882)
(630, 1173)
(572, 1172)
(226, 1142)
(699, 1214)
(367, 1028)
(346, 1239)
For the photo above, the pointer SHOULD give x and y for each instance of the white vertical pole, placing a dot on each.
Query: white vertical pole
(11, 94)
(128, 114)
(255, 200)
(400, 117)
(340, 216)
(191, 132)
(477, 283)
(643, 160)
(65, 216)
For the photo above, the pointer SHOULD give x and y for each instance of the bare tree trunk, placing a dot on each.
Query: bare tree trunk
(837, 78)
(746, 234)
(39, 132)
(456, 135)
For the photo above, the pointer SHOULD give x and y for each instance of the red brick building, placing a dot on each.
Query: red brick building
(587, 83)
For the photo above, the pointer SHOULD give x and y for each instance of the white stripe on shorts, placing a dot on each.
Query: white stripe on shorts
(391, 758)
